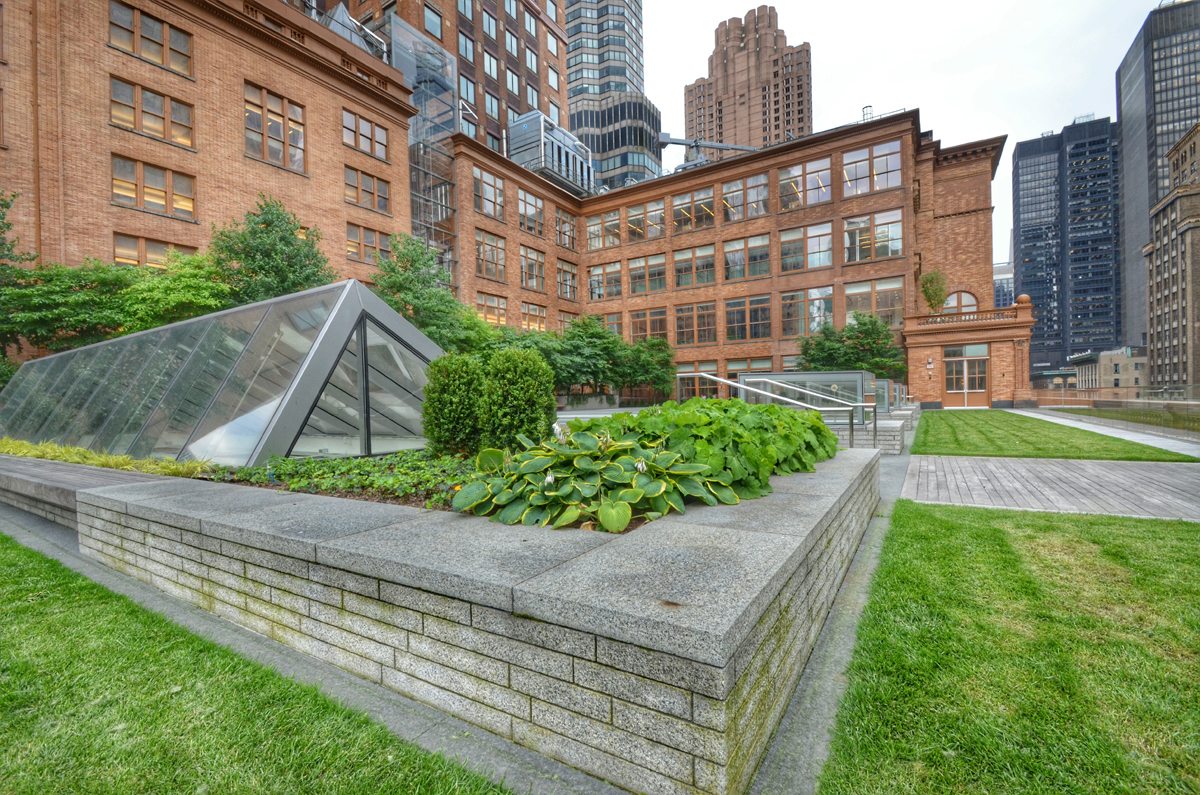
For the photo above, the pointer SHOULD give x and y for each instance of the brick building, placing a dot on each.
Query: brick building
(732, 261)
(758, 90)
(134, 126)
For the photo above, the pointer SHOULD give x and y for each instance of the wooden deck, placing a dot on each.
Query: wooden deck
(1118, 488)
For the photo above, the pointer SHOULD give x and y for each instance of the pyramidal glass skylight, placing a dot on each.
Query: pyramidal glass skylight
(332, 371)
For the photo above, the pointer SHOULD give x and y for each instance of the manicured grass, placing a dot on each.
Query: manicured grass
(993, 432)
(100, 695)
(1018, 652)
(1160, 419)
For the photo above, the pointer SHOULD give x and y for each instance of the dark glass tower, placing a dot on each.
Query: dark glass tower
(1158, 100)
(1065, 240)
(605, 80)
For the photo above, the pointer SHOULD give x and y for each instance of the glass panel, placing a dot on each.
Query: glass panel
(187, 399)
(250, 397)
(93, 366)
(334, 428)
(24, 384)
(175, 344)
(396, 383)
(42, 402)
(109, 389)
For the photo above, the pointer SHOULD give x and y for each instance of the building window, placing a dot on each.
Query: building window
(533, 317)
(468, 127)
(489, 255)
(531, 95)
(530, 23)
(806, 248)
(510, 42)
(366, 245)
(804, 312)
(882, 297)
(555, 113)
(529, 212)
(489, 193)
(648, 324)
(695, 266)
(531, 61)
(568, 280)
(697, 387)
(491, 106)
(551, 43)
(492, 308)
(274, 128)
(646, 221)
(466, 89)
(745, 198)
(692, 210)
(433, 23)
(736, 320)
(960, 302)
(146, 111)
(565, 225)
(533, 269)
(510, 7)
(513, 82)
(565, 319)
(491, 67)
(874, 237)
(489, 25)
(149, 187)
(466, 8)
(612, 322)
(647, 274)
(604, 281)
(604, 230)
(876, 168)
(696, 324)
(131, 250)
(552, 78)
(367, 191)
(748, 257)
(364, 135)
(466, 47)
(804, 184)
(149, 38)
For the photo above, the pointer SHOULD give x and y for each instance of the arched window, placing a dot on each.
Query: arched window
(960, 302)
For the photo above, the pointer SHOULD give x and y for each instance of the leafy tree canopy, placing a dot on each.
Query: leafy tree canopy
(865, 344)
(189, 286)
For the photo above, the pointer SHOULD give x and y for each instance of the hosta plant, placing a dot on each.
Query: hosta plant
(588, 479)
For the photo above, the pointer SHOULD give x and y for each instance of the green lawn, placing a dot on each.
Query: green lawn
(100, 695)
(1002, 433)
(1018, 652)
(1160, 419)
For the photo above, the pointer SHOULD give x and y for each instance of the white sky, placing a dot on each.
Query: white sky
(975, 70)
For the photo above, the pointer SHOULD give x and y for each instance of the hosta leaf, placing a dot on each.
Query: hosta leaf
(654, 488)
(504, 497)
(471, 495)
(584, 463)
(674, 499)
(614, 516)
(586, 441)
(691, 487)
(568, 517)
(724, 493)
(587, 489)
(490, 460)
(687, 469)
(511, 513)
(666, 458)
(525, 441)
(630, 495)
(535, 465)
(536, 514)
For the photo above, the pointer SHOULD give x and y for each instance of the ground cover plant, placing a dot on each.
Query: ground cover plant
(1021, 652)
(409, 477)
(1164, 419)
(80, 455)
(991, 432)
(609, 472)
(99, 694)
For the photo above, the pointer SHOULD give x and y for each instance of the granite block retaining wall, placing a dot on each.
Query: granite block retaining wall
(660, 660)
(888, 437)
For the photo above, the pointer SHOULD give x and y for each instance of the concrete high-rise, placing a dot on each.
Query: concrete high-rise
(1158, 100)
(758, 90)
(1066, 240)
(605, 81)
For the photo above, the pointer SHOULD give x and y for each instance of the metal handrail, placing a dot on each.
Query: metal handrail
(849, 417)
(773, 396)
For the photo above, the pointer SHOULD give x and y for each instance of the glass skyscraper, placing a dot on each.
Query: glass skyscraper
(1158, 100)
(1066, 240)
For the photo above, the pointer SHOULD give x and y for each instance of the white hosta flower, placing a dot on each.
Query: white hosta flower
(549, 478)
(640, 466)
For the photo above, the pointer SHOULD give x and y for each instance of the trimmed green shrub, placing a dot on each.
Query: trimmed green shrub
(612, 470)
(450, 414)
(518, 398)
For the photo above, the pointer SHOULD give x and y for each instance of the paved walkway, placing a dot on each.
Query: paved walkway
(1173, 444)
(1118, 488)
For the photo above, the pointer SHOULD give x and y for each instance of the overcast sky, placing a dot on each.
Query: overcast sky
(975, 70)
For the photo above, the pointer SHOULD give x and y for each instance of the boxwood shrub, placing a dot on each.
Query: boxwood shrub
(518, 398)
(450, 414)
(610, 471)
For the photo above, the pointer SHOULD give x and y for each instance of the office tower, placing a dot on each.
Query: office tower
(1066, 242)
(1004, 287)
(758, 90)
(1158, 100)
(605, 81)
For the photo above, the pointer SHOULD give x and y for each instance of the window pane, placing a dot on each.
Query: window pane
(335, 426)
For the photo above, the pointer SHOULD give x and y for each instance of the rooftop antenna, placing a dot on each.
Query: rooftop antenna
(868, 112)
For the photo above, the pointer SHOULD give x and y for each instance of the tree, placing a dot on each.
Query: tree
(59, 308)
(933, 287)
(189, 286)
(264, 255)
(410, 281)
(649, 362)
(590, 353)
(867, 343)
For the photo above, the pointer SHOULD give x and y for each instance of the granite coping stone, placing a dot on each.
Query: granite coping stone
(186, 511)
(465, 557)
(118, 498)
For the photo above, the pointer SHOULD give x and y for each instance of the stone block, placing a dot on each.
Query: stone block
(499, 647)
(458, 556)
(289, 601)
(345, 580)
(349, 641)
(360, 625)
(632, 747)
(674, 732)
(459, 659)
(273, 612)
(472, 687)
(116, 498)
(187, 510)
(395, 615)
(493, 720)
(425, 602)
(216, 561)
(688, 674)
(563, 694)
(296, 585)
(631, 687)
(539, 633)
(264, 559)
